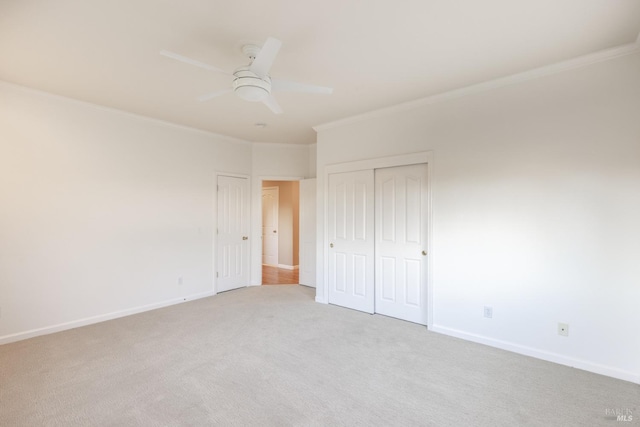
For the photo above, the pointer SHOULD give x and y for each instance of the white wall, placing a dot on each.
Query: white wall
(101, 211)
(313, 148)
(536, 207)
(271, 162)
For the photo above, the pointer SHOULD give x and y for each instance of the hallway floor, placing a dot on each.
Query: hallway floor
(279, 276)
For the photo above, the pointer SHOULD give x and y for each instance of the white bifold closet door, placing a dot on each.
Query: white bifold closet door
(377, 229)
(401, 242)
(351, 243)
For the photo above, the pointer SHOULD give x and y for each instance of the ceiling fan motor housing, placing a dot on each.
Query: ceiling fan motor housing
(249, 86)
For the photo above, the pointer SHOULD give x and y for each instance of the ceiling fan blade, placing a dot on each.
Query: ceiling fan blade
(273, 105)
(190, 61)
(287, 86)
(262, 64)
(211, 95)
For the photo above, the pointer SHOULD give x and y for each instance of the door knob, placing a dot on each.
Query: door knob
(330, 245)
(245, 238)
(275, 231)
(424, 253)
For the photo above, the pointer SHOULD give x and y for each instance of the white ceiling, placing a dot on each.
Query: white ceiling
(374, 53)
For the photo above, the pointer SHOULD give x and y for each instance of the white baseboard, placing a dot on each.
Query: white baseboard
(6, 339)
(540, 354)
(288, 267)
(308, 286)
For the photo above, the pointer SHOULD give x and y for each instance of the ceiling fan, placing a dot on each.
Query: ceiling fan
(253, 82)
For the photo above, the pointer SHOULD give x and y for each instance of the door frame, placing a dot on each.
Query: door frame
(214, 229)
(378, 163)
(256, 224)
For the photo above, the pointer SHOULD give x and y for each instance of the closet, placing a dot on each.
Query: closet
(377, 225)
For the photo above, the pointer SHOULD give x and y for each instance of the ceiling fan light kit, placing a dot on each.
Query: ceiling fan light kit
(252, 83)
(249, 86)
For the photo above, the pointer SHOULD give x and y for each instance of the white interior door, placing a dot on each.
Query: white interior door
(307, 246)
(233, 233)
(351, 240)
(270, 200)
(401, 242)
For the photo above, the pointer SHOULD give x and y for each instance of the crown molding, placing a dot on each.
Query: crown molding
(535, 73)
(279, 145)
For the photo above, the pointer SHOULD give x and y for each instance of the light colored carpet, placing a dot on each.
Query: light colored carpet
(272, 356)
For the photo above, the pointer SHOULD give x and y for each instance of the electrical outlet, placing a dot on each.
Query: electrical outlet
(488, 312)
(179, 280)
(563, 329)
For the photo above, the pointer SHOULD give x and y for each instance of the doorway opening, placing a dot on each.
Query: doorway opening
(280, 232)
